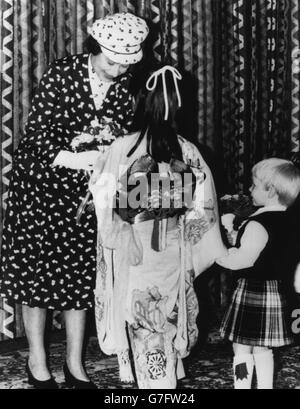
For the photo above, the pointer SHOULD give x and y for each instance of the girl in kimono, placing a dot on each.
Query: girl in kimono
(150, 251)
(48, 258)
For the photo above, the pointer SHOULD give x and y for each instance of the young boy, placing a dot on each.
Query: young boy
(264, 259)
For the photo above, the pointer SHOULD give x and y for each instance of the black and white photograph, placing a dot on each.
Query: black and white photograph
(150, 197)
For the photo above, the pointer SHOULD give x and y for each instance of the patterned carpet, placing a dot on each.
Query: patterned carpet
(208, 368)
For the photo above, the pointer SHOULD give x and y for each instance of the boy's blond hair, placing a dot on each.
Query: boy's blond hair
(283, 175)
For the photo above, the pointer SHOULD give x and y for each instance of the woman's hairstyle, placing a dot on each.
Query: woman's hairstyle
(151, 119)
(92, 46)
(283, 175)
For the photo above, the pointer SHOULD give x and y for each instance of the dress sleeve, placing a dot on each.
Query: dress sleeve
(202, 224)
(41, 133)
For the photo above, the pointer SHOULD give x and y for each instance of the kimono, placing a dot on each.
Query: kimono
(144, 297)
(48, 260)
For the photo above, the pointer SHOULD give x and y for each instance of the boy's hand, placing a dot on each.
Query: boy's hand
(227, 221)
(231, 237)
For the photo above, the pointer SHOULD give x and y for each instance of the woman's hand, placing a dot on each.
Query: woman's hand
(78, 161)
(86, 160)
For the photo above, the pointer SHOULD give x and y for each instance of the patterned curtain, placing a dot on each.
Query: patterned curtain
(259, 111)
(243, 55)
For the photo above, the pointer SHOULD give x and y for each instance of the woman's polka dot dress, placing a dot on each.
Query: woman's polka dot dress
(47, 260)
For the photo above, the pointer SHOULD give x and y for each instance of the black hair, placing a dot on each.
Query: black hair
(149, 118)
(92, 46)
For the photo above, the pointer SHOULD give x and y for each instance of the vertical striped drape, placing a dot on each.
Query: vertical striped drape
(244, 56)
(259, 113)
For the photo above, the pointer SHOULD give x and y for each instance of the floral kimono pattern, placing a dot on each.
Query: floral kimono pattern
(151, 292)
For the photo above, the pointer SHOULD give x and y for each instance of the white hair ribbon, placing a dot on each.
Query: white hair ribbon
(154, 77)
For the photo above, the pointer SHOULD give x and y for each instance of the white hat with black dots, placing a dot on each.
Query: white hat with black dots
(121, 36)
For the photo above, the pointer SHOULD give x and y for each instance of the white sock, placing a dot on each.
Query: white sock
(125, 370)
(264, 365)
(180, 372)
(243, 365)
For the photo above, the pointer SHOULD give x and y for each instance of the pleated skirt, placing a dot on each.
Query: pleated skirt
(258, 315)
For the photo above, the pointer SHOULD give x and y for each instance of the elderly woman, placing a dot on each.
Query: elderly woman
(48, 257)
(153, 238)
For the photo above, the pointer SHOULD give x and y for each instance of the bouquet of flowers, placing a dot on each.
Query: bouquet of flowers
(159, 199)
(234, 209)
(240, 205)
(98, 136)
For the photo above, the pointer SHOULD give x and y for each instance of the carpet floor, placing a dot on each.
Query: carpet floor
(208, 368)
